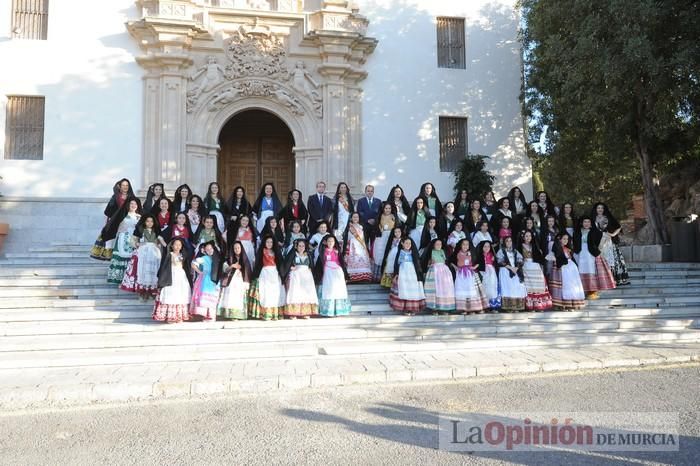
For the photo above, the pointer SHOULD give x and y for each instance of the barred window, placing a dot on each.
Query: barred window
(30, 19)
(450, 42)
(24, 128)
(453, 142)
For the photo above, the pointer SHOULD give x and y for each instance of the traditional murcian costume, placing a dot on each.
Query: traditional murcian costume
(175, 286)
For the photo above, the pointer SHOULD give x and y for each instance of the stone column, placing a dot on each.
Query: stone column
(200, 167)
(165, 86)
(309, 168)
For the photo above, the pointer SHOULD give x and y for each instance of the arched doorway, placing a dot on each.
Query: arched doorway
(256, 148)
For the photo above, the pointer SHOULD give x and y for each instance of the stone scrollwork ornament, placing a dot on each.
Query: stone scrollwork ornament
(255, 54)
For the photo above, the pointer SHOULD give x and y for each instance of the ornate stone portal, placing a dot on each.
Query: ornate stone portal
(207, 60)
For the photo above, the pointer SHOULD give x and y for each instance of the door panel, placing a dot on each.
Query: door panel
(256, 148)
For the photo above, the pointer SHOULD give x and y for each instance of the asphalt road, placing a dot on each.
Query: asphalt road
(350, 426)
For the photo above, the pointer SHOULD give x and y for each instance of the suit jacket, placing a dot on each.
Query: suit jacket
(317, 211)
(367, 211)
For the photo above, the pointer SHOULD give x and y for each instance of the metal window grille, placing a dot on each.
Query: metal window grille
(24, 128)
(451, 43)
(453, 142)
(30, 19)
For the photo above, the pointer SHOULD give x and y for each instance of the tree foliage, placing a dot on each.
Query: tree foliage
(611, 83)
(471, 174)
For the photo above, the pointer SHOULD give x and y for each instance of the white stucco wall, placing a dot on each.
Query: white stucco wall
(406, 92)
(94, 97)
(93, 89)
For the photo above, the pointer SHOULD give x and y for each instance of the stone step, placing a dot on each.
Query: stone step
(321, 335)
(659, 273)
(62, 248)
(558, 341)
(216, 352)
(70, 271)
(651, 290)
(82, 254)
(674, 298)
(662, 265)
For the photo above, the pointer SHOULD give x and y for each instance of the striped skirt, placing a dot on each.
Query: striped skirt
(439, 289)
(595, 272)
(407, 293)
(566, 287)
(538, 297)
(469, 293)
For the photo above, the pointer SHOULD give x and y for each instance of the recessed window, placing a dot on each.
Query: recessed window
(30, 19)
(453, 142)
(450, 42)
(24, 128)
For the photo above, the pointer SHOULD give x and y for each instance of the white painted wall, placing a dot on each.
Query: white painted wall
(86, 71)
(406, 92)
(93, 89)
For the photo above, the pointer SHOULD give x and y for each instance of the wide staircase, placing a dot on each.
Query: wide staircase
(58, 311)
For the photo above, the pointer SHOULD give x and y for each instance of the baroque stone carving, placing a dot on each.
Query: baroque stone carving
(256, 88)
(303, 82)
(255, 54)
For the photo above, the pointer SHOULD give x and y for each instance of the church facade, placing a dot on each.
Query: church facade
(247, 91)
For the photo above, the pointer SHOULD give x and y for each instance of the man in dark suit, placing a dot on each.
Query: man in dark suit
(368, 207)
(320, 207)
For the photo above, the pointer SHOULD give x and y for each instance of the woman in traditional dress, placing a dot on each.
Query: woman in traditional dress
(179, 228)
(266, 205)
(462, 204)
(142, 272)
(196, 212)
(475, 217)
(430, 232)
(163, 214)
(235, 283)
(272, 228)
(416, 220)
(317, 238)
(489, 206)
(356, 251)
(445, 221)
(504, 230)
(302, 299)
(486, 266)
(174, 284)
(208, 231)
(537, 214)
(565, 284)
(482, 234)
(267, 298)
(293, 233)
(469, 293)
(407, 294)
(181, 200)
(518, 203)
(595, 272)
(205, 292)
(215, 205)
(439, 285)
(384, 223)
(538, 298)
(295, 210)
(510, 277)
(120, 227)
(242, 230)
(401, 206)
(156, 193)
(455, 234)
(102, 249)
(343, 207)
(237, 204)
(567, 219)
(330, 275)
(547, 238)
(432, 201)
(546, 204)
(502, 212)
(390, 252)
(606, 223)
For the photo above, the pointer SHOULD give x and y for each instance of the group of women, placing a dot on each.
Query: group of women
(208, 258)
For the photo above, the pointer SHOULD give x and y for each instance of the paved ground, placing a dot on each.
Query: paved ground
(375, 424)
(49, 387)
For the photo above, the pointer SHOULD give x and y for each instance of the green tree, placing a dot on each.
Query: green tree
(471, 174)
(613, 80)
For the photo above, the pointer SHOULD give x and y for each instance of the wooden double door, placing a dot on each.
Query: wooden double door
(256, 148)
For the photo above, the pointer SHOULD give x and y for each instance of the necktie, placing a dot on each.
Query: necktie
(320, 199)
